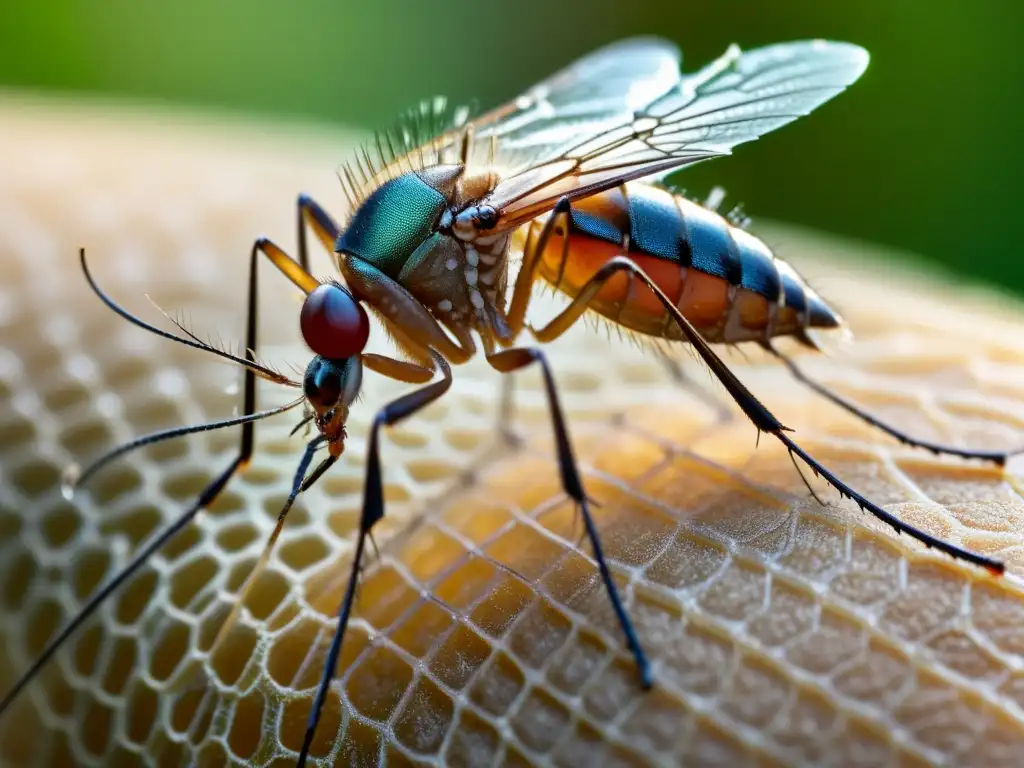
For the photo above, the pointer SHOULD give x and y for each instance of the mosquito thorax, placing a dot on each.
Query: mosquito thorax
(398, 216)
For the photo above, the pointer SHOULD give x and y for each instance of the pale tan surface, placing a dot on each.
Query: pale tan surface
(782, 632)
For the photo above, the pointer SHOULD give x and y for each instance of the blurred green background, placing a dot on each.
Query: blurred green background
(922, 153)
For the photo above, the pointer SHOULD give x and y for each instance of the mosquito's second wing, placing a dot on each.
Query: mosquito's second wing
(588, 129)
(590, 95)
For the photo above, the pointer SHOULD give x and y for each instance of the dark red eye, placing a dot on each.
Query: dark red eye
(333, 323)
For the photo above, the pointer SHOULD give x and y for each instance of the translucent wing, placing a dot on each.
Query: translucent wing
(584, 144)
(590, 95)
(597, 91)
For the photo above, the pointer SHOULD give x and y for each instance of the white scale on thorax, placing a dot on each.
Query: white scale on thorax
(481, 270)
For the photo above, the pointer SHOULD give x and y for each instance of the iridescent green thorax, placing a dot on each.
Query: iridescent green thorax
(392, 222)
(397, 217)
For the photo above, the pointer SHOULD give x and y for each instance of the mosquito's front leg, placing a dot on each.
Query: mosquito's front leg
(373, 511)
(324, 227)
(206, 497)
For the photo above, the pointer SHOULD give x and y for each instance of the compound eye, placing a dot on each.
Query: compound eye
(333, 323)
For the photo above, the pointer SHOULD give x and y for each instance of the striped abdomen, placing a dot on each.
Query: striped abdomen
(723, 279)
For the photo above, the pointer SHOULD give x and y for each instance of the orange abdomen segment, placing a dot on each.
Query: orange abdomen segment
(724, 280)
(753, 310)
(702, 298)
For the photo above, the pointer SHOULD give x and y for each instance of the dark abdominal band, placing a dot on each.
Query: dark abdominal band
(678, 230)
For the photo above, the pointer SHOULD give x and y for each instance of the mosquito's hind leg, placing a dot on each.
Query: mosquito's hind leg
(512, 360)
(724, 414)
(762, 418)
(373, 510)
(996, 457)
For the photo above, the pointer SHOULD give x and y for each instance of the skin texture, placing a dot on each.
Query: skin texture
(781, 632)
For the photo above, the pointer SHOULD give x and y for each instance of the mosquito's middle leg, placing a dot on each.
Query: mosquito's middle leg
(686, 382)
(522, 293)
(514, 359)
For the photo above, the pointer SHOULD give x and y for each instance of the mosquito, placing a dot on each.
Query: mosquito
(568, 179)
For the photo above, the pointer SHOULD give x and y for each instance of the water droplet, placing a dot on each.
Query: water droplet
(108, 404)
(69, 479)
(62, 329)
(170, 382)
(81, 367)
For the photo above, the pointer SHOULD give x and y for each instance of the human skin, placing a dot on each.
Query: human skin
(781, 631)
